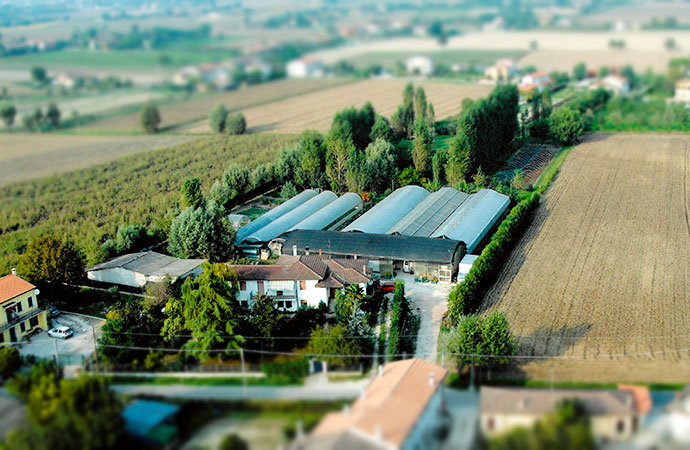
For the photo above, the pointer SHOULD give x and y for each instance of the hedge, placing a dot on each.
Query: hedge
(466, 297)
(399, 313)
(291, 369)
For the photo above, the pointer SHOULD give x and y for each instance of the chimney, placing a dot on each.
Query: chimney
(380, 370)
(14, 271)
(432, 379)
(294, 250)
(306, 249)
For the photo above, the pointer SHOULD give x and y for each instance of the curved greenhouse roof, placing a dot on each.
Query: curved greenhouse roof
(286, 221)
(474, 218)
(391, 209)
(274, 214)
(329, 214)
(427, 216)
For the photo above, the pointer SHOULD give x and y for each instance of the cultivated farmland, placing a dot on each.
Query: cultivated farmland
(601, 277)
(198, 108)
(315, 110)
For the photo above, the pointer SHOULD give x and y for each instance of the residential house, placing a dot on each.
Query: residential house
(535, 81)
(215, 76)
(616, 84)
(420, 65)
(404, 407)
(21, 315)
(258, 66)
(613, 414)
(304, 68)
(679, 412)
(139, 269)
(300, 280)
(503, 70)
(682, 91)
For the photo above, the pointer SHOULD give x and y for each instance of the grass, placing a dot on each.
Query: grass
(549, 173)
(89, 204)
(442, 142)
(461, 382)
(205, 381)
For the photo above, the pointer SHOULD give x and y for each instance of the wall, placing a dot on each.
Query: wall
(26, 312)
(424, 433)
(118, 275)
(312, 295)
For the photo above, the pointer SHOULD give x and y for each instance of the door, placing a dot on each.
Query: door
(260, 285)
(13, 335)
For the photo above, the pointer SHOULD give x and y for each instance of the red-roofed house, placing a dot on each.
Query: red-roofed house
(20, 314)
(535, 81)
(300, 280)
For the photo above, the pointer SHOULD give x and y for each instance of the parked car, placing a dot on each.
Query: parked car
(54, 312)
(60, 332)
(388, 286)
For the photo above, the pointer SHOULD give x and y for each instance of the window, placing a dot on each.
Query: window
(304, 302)
(279, 293)
(31, 302)
(19, 307)
(33, 322)
(22, 326)
(2, 337)
(288, 304)
(244, 303)
(490, 423)
(302, 285)
(243, 285)
(620, 426)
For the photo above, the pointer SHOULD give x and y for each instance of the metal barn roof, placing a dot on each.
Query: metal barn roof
(275, 213)
(150, 263)
(286, 221)
(390, 210)
(331, 212)
(430, 213)
(374, 246)
(474, 218)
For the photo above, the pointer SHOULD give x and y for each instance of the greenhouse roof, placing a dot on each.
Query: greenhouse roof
(389, 211)
(330, 213)
(428, 215)
(274, 214)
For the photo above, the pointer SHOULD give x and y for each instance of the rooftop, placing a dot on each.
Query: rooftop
(12, 286)
(150, 263)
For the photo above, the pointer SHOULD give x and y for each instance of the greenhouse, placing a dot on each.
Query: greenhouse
(274, 214)
(427, 216)
(390, 210)
(286, 221)
(473, 220)
(331, 214)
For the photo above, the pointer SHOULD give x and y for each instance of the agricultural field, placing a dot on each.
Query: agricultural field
(24, 156)
(470, 57)
(315, 110)
(531, 159)
(88, 204)
(565, 60)
(600, 279)
(198, 108)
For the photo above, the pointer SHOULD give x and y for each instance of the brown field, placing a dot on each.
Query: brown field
(565, 60)
(315, 110)
(24, 156)
(600, 280)
(198, 108)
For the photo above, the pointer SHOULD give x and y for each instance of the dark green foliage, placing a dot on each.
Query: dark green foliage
(580, 71)
(403, 328)
(129, 238)
(49, 261)
(10, 361)
(355, 124)
(8, 112)
(288, 191)
(633, 114)
(202, 233)
(381, 130)
(403, 119)
(235, 124)
(409, 176)
(420, 105)
(261, 176)
(466, 297)
(39, 74)
(310, 171)
(38, 118)
(334, 340)
(28, 122)
(191, 194)
(540, 129)
(233, 442)
(217, 118)
(356, 172)
(291, 369)
(438, 165)
(22, 383)
(566, 125)
(53, 115)
(149, 118)
(590, 100)
(264, 321)
(423, 146)
(489, 339)
(380, 166)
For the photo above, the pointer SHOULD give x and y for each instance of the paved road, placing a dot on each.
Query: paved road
(12, 413)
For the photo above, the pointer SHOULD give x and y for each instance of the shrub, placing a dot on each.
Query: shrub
(403, 325)
(566, 125)
(149, 118)
(233, 442)
(10, 362)
(539, 129)
(235, 124)
(291, 369)
(217, 118)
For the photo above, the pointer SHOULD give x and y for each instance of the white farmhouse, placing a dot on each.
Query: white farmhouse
(300, 280)
(420, 65)
(616, 84)
(679, 413)
(503, 70)
(304, 68)
(682, 91)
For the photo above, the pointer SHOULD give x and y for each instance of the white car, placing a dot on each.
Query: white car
(60, 332)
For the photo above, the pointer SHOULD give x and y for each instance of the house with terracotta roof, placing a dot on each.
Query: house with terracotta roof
(613, 413)
(296, 280)
(402, 408)
(21, 314)
(535, 81)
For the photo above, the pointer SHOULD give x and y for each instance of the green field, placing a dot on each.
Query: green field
(389, 59)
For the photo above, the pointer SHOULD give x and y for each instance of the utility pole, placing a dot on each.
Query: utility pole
(472, 373)
(57, 356)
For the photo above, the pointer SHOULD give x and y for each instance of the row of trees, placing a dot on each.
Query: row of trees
(403, 325)
(36, 120)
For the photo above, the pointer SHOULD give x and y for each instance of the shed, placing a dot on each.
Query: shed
(291, 218)
(389, 211)
(428, 215)
(466, 265)
(139, 269)
(471, 222)
(274, 214)
(330, 213)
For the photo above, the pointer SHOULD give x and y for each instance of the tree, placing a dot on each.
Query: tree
(149, 118)
(39, 75)
(484, 342)
(10, 362)
(334, 341)
(381, 130)
(670, 44)
(423, 147)
(233, 442)
(403, 119)
(380, 166)
(237, 177)
(261, 176)
(50, 261)
(265, 320)
(53, 115)
(431, 118)
(312, 160)
(8, 112)
(580, 71)
(409, 176)
(420, 105)
(203, 232)
(288, 191)
(338, 151)
(566, 125)
(28, 122)
(236, 123)
(208, 310)
(127, 238)
(38, 117)
(217, 118)
(438, 165)
(346, 302)
(356, 174)
(604, 71)
(191, 194)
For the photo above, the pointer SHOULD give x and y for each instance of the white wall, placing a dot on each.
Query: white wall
(117, 275)
(311, 294)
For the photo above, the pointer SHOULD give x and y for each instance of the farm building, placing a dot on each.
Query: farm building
(286, 221)
(473, 220)
(300, 280)
(466, 265)
(431, 258)
(275, 213)
(430, 213)
(389, 211)
(139, 269)
(331, 213)
(304, 68)
(420, 65)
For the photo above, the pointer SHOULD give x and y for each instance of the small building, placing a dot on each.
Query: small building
(535, 81)
(420, 65)
(307, 280)
(612, 412)
(21, 315)
(152, 423)
(402, 408)
(503, 70)
(139, 269)
(466, 265)
(679, 413)
(304, 68)
(616, 84)
(682, 91)
(260, 67)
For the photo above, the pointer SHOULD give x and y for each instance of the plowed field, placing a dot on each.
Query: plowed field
(601, 279)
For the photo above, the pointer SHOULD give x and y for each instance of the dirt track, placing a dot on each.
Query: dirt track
(602, 277)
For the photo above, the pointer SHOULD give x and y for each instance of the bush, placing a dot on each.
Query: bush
(10, 362)
(403, 325)
(566, 125)
(539, 129)
(235, 124)
(217, 118)
(466, 297)
(291, 369)
(149, 118)
(233, 442)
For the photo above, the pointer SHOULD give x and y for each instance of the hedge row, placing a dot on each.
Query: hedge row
(402, 324)
(466, 297)
(290, 369)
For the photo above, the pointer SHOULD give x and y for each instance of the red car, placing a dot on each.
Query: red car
(388, 286)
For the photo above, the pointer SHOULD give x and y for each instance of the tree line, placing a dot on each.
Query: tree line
(37, 120)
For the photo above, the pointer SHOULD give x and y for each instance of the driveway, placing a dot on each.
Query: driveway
(432, 301)
(12, 413)
(70, 351)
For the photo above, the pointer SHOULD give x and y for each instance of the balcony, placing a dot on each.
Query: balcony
(14, 319)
